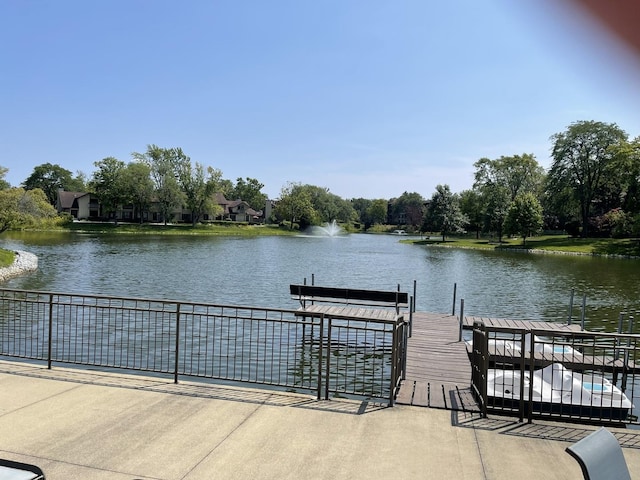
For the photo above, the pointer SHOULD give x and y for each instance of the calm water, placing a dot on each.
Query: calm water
(258, 271)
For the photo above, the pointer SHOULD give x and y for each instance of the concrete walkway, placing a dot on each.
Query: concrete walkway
(79, 424)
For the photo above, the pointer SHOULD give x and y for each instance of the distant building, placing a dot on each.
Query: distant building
(86, 206)
(79, 205)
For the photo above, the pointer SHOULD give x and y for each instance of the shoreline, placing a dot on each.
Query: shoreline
(24, 262)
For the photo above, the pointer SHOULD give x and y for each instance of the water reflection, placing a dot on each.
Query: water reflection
(257, 271)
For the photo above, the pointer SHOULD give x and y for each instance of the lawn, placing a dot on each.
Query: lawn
(6, 257)
(552, 243)
(227, 229)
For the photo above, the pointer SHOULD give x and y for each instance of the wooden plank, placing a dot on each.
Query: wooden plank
(420, 395)
(405, 395)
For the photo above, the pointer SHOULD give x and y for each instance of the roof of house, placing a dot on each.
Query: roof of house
(67, 199)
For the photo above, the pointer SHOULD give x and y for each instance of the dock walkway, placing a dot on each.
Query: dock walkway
(438, 368)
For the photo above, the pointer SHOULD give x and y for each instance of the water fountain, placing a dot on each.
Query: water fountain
(327, 230)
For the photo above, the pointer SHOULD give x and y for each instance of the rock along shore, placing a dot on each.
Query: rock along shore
(24, 262)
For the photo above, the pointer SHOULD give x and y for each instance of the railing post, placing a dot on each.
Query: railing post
(531, 370)
(453, 310)
(413, 305)
(50, 339)
(461, 319)
(320, 352)
(570, 307)
(583, 313)
(177, 348)
(394, 364)
(328, 362)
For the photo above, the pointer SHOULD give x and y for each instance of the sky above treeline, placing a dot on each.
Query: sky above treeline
(368, 98)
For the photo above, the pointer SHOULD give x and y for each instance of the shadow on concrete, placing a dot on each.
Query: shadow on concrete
(194, 388)
(544, 430)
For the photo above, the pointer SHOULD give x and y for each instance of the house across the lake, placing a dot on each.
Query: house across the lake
(86, 206)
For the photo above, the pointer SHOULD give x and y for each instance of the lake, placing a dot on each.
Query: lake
(257, 272)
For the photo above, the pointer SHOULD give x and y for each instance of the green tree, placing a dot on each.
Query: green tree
(24, 208)
(108, 184)
(49, 178)
(408, 209)
(164, 174)
(249, 190)
(138, 187)
(444, 214)
(497, 201)
(4, 185)
(581, 156)
(524, 216)
(517, 174)
(294, 204)
(627, 164)
(471, 205)
(198, 186)
(377, 211)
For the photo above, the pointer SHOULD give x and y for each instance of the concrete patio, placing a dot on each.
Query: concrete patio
(76, 423)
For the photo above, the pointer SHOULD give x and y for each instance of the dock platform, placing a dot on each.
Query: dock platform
(438, 368)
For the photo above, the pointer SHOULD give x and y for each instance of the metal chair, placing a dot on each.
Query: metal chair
(11, 470)
(600, 456)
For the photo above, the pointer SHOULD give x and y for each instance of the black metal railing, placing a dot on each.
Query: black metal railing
(572, 375)
(276, 347)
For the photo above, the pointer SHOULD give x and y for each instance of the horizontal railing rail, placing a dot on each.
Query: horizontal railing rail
(574, 376)
(268, 346)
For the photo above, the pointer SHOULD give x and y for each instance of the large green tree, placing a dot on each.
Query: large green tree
(109, 185)
(24, 208)
(137, 187)
(408, 209)
(472, 206)
(3, 183)
(250, 190)
(51, 178)
(164, 173)
(524, 216)
(294, 205)
(444, 214)
(516, 173)
(582, 155)
(199, 186)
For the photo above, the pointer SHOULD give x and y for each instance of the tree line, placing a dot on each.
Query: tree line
(591, 189)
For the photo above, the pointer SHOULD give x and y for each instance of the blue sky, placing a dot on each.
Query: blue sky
(369, 98)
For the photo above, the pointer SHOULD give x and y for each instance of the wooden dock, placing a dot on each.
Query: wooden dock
(467, 324)
(438, 367)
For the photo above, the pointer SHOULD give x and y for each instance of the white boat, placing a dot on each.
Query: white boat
(398, 232)
(557, 389)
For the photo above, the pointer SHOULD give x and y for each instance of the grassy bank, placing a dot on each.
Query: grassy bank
(226, 229)
(6, 258)
(550, 243)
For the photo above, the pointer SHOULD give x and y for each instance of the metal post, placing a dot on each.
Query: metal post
(414, 297)
(177, 349)
(583, 313)
(455, 287)
(320, 352)
(570, 307)
(626, 356)
(50, 340)
(328, 362)
(461, 319)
